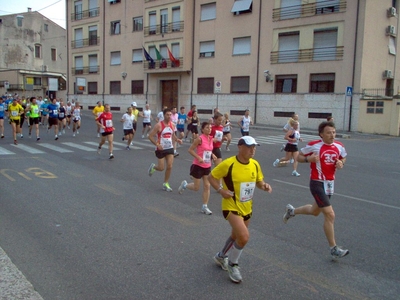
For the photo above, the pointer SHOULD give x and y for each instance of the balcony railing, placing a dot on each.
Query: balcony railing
(85, 42)
(90, 13)
(377, 93)
(309, 10)
(86, 70)
(163, 29)
(306, 55)
(164, 64)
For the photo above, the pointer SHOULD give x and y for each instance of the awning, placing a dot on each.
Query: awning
(47, 74)
(241, 5)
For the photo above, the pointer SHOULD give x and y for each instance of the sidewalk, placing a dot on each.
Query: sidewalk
(13, 284)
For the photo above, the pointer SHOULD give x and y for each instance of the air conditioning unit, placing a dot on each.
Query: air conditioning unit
(391, 12)
(387, 74)
(391, 30)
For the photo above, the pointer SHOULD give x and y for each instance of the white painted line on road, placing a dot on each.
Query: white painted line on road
(81, 147)
(97, 145)
(5, 151)
(28, 149)
(55, 148)
(124, 145)
(345, 196)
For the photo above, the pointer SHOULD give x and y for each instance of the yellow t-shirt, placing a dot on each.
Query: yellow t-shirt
(240, 178)
(97, 110)
(135, 112)
(15, 111)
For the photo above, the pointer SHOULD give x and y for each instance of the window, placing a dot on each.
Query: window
(327, 6)
(46, 27)
(53, 54)
(392, 45)
(92, 88)
(389, 87)
(152, 22)
(288, 47)
(205, 85)
(93, 65)
(242, 6)
(240, 84)
(93, 35)
(93, 9)
(137, 87)
(207, 49)
(176, 50)
(242, 46)
(115, 87)
(290, 9)
(375, 107)
(322, 83)
(115, 58)
(176, 18)
(78, 38)
(19, 20)
(115, 27)
(78, 10)
(208, 11)
(286, 84)
(37, 81)
(114, 1)
(38, 51)
(164, 20)
(138, 24)
(325, 43)
(137, 55)
(78, 65)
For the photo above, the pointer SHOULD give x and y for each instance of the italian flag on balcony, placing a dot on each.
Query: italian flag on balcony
(175, 63)
(162, 61)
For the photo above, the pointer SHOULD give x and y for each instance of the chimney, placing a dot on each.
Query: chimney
(29, 9)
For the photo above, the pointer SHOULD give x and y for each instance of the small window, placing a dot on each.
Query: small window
(115, 27)
(46, 27)
(242, 46)
(205, 85)
(19, 20)
(137, 55)
(37, 81)
(207, 49)
(115, 58)
(286, 84)
(114, 1)
(38, 51)
(240, 84)
(208, 11)
(137, 87)
(53, 54)
(392, 45)
(322, 83)
(138, 24)
(115, 87)
(92, 88)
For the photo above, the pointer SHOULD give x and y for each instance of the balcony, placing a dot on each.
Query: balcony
(309, 10)
(90, 13)
(377, 93)
(307, 55)
(86, 70)
(165, 64)
(94, 41)
(163, 29)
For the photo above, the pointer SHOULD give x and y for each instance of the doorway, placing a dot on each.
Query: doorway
(169, 93)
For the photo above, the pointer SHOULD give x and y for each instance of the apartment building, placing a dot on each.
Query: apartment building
(313, 57)
(33, 56)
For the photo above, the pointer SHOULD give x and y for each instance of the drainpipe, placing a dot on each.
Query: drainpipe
(104, 48)
(258, 63)
(68, 15)
(354, 65)
(192, 69)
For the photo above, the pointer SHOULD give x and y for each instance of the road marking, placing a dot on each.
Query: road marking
(4, 151)
(345, 196)
(171, 216)
(54, 148)
(97, 145)
(110, 189)
(77, 146)
(28, 149)
(124, 145)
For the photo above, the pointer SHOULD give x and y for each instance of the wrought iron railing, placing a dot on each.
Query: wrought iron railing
(377, 93)
(305, 55)
(164, 28)
(86, 70)
(90, 13)
(163, 64)
(94, 41)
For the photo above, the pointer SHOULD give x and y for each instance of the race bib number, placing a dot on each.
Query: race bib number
(247, 191)
(218, 135)
(35, 110)
(61, 115)
(55, 111)
(329, 187)
(166, 143)
(1, 108)
(14, 113)
(109, 123)
(246, 125)
(207, 156)
(181, 121)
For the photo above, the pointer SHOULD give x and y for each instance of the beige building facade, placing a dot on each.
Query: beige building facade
(33, 56)
(315, 58)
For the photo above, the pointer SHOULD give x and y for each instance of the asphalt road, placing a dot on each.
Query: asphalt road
(79, 226)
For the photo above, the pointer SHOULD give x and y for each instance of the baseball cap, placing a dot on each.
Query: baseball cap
(134, 104)
(248, 141)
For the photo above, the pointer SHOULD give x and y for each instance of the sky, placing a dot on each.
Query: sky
(52, 9)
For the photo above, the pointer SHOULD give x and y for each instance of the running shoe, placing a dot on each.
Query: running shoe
(276, 162)
(2, 136)
(59, 133)
(283, 147)
(127, 148)
(21, 136)
(338, 252)
(98, 150)
(142, 136)
(29, 135)
(166, 187)
(234, 273)
(73, 134)
(295, 173)
(289, 213)
(38, 139)
(206, 210)
(151, 169)
(221, 261)
(64, 131)
(123, 138)
(98, 135)
(182, 187)
(176, 154)
(56, 138)
(77, 132)
(15, 142)
(111, 156)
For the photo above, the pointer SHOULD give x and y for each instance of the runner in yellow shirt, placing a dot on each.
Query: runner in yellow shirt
(97, 111)
(15, 110)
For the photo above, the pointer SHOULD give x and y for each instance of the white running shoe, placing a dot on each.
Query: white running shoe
(289, 213)
(234, 273)
(276, 162)
(295, 173)
(338, 252)
(206, 210)
(221, 261)
(182, 187)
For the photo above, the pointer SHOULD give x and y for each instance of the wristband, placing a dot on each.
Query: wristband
(219, 189)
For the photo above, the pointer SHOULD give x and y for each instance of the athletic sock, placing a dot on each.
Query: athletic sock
(235, 253)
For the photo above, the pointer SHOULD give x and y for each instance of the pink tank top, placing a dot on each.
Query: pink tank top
(204, 150)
